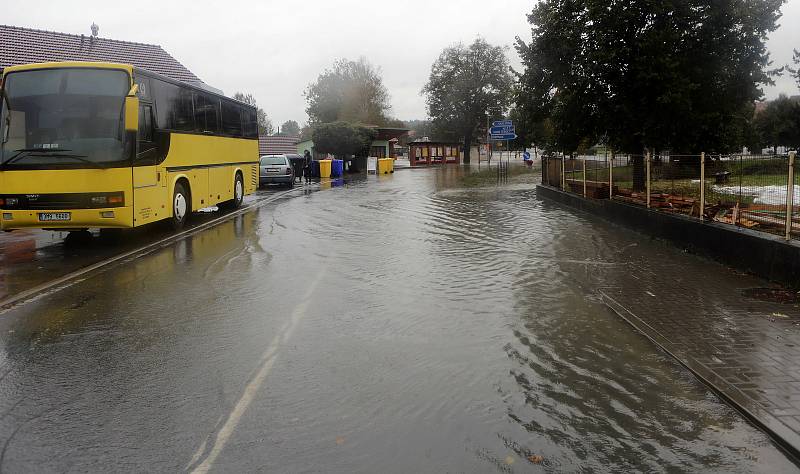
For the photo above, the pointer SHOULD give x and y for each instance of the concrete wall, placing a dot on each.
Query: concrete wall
(765, 255)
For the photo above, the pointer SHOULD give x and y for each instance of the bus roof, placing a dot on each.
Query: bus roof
(69, 64)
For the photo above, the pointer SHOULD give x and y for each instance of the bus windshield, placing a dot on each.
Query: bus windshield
(72, 117)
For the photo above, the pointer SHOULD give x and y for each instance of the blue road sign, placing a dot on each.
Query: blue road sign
(503, 136)
(526, 155)
(501, 130)
(502, 123)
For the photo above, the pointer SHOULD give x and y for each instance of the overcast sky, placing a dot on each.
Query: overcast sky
(275, 48)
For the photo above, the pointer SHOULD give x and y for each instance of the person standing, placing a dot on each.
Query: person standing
(307, 165)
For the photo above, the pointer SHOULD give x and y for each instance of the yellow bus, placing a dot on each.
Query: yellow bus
(103, 145)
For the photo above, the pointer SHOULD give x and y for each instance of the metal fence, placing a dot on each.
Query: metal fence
(751, 191)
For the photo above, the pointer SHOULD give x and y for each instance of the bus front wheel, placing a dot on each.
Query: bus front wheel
(181, 206)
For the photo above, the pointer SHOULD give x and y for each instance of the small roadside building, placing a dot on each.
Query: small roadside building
(426, 153)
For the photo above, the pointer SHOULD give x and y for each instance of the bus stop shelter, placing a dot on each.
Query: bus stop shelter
(433, 153)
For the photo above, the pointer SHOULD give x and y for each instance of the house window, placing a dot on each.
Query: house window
(378, 151)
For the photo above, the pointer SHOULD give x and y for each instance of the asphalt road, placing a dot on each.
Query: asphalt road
(395, 324)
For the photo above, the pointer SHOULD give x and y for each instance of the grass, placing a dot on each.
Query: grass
(488, 176)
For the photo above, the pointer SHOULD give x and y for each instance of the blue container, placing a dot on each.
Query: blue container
(315, 169)
(337, 169)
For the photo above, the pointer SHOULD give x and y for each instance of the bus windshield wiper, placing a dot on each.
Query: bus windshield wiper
(81, 158)
(25, 152)
(21, 152)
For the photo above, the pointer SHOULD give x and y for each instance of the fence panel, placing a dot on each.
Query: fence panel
(748, 191)
(796, 204)
(744, 190)
(675, 183)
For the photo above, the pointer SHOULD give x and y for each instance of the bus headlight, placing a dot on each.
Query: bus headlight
(9, 202)
(107, 200)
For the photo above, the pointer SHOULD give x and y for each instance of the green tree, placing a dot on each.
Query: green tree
(265, 126)
(467, 85)
(342, 139)
(352, 91)
(290, 128)
(646, 74)
(421, 128)
(779, 124)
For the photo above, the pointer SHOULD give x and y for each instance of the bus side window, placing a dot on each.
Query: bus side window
(145, 123)
(146, 146)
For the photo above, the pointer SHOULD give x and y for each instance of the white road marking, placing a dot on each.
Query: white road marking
(266, 363)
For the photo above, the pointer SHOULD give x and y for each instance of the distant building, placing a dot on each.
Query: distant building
(25, 46)
(277, 145)
(382, 147)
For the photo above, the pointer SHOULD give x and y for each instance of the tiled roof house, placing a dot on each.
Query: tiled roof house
(24, 46)
(277, 145)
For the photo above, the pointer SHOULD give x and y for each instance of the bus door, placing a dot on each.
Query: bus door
(148, 195)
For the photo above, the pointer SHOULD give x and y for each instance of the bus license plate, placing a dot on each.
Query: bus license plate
(53, 216)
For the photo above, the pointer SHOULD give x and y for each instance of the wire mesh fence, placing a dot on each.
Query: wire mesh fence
(795, 233)
(751, 191)
(748, 191)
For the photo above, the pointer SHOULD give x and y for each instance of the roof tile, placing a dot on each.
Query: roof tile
(24, 46)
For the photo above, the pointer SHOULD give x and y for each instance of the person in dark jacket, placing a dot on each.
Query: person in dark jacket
(307, 167)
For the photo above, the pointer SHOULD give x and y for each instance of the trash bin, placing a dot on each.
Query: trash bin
(337, 168)
(385, 165)
(324, 168)
(298, 162)
(315, 169)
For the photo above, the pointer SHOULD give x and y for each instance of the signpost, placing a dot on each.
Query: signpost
(502, 130)
(503, 136)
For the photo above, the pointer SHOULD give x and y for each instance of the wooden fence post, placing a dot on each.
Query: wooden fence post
(584, 177)
(790, 196)
(647, 187)
(611, 176)
(702, 185)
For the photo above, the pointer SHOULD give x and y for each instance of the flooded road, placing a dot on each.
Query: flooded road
(396, 324)
(31, 257)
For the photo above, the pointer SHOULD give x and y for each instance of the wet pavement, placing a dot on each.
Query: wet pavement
(31, 257)
(394, 324)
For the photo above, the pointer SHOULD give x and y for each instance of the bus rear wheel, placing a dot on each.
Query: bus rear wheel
(238, 194)
(181, 206)
(238, 191)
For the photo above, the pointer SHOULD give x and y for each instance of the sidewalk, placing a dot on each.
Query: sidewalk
(748, 350)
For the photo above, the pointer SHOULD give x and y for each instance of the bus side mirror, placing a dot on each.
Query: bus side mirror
(5, 126)
(131, 114)
(132, 110)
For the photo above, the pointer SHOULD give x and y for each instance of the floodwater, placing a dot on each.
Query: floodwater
(394, 324)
